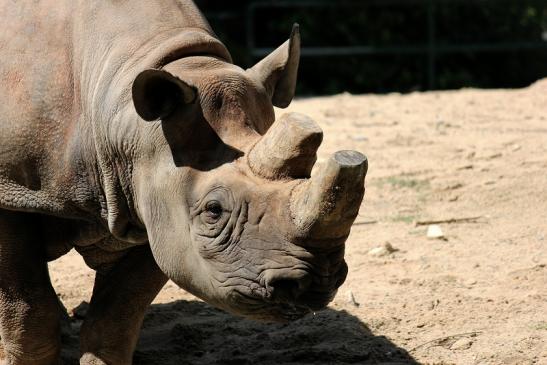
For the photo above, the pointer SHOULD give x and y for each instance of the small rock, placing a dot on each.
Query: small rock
(435, 232)
(378, 251)
(453, 186)
(515, 148)
(465, 167)
(434, 304)
(494, 156)
(359, 138)
(462, 344)
(384, 250)
(351, 299)
(470, 282)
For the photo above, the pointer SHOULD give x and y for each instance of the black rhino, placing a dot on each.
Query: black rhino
(127, 133)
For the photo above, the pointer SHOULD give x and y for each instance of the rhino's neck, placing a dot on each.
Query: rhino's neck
(108, 57)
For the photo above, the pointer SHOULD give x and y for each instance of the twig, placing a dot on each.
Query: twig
(444, 339)
(362, 223)
(449, 220)
(537, 267)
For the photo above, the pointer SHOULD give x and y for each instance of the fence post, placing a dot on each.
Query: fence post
(249, 29)
(432, 48)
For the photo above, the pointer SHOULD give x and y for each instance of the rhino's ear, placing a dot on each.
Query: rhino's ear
(156, 94)
(279, 70)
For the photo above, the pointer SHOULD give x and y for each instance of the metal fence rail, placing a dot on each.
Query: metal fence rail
(431, 49)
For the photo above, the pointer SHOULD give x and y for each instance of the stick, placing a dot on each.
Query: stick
(362, 223)
(443, 339)
(449, 220)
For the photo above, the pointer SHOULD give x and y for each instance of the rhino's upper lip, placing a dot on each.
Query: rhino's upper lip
(311, 300)
(260, 308)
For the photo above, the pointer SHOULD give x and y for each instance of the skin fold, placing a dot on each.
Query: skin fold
(126, 133)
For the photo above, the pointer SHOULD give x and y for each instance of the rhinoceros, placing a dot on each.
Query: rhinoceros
(127, 133)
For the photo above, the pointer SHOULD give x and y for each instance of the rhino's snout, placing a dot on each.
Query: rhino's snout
(303, 287)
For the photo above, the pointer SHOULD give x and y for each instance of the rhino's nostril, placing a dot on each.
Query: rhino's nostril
(285, 287)
(342, 273)
(289, 288)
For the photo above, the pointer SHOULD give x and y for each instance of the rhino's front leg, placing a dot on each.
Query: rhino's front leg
(29, 310)
(120, 299)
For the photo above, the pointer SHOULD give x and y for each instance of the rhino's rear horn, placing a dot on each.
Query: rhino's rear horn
(157, 93)
(288, 149)
(324, 208)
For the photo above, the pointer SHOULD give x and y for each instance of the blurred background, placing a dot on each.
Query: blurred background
(392, 45)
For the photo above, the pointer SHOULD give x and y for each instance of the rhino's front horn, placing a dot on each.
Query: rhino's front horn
(288, 149)
(324, 208)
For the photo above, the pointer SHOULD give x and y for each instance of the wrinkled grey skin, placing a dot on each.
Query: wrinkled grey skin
(124, 131)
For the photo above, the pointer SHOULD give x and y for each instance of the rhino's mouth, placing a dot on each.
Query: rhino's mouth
(267, 308)
(260, 309)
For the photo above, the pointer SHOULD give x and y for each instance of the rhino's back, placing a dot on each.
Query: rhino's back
(54, 54)
(36, 93)
(34, 66)
(64, 65)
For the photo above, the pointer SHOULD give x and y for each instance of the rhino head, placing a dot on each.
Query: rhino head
(233, 212)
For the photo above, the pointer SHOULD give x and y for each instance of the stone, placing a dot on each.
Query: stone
(384, 250)
(435, 232)
(462, 344)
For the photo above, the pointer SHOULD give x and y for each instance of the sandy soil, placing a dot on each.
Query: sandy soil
(478, 296)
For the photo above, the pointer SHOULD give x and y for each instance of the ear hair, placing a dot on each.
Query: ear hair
(157, 93)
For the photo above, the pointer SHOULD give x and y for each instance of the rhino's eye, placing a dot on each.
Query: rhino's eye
(213, 211)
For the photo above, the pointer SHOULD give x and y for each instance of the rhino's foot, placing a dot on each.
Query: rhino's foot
(29, 309)
(120, 299)
(33, 359)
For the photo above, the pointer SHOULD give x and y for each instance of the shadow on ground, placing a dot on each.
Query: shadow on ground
(192, 332)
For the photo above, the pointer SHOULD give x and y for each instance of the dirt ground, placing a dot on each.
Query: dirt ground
(478, 296)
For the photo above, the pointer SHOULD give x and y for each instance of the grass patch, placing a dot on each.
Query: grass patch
(404, 218)
(403, 182)
(541, 326)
